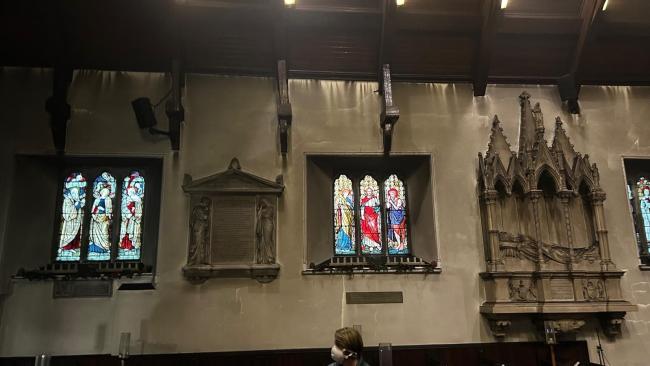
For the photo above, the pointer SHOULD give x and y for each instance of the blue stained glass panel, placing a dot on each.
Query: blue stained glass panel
(395, 198)
(101, 218)
(131, 209)
(344, 225)
(72, 215)
(643, 191)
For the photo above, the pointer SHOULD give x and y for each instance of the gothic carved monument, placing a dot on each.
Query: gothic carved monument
(232, 226)
(546, 247)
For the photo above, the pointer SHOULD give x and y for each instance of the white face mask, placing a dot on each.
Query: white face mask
(337, 355)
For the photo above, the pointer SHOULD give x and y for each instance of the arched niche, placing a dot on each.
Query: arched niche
(582, 217)
(552, 224)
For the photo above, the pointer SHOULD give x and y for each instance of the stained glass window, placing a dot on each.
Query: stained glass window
(395, 199)
(344, 223)
(643, 192)
(101, 218)
(131, 208)
(72, 214)
(370, 216)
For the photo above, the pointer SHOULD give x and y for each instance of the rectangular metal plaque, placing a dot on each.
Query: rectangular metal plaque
(561, 289)
(83, 288)
(233, 230)
(382, 297)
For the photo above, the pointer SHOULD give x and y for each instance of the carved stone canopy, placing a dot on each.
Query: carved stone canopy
(546, 244)
(232, 225)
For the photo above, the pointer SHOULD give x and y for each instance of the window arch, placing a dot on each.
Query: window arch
(395, 198)
(344, 221)
(72, 218)
(370, 216)
(101, 218)
(380, 215)
(131, 211)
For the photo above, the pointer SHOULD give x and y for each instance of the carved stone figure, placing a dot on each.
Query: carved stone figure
(593, 289)
(265, 231)
(200, 232)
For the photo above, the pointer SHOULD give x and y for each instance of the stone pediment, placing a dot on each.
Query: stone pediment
(233, 180)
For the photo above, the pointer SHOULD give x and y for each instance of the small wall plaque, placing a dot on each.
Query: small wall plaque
(232, 226)
(383, 297)
(83, 288)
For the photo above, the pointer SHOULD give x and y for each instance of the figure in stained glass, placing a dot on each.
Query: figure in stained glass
(370, 208)
(72, 213)
(396, 215)
(101, 214)
(344, 226)
(643, 189)
(131, 210)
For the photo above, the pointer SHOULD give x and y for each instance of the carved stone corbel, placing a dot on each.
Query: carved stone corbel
(389, 112)
(499, 327)
(284, 106)
(612, 325)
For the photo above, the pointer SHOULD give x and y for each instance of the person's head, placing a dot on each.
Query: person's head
(348, 344)
(392, 193)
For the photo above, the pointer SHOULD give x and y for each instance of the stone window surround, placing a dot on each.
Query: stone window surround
(629, 175)
(414, 168)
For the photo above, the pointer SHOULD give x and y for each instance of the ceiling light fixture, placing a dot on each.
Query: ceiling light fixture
(289, 2)
(605, 5)
(400, 2)
(504, 4)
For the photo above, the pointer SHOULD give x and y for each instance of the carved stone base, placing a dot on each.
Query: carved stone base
(263, 273)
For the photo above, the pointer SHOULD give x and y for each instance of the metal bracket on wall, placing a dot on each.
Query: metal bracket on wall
(284, 106)
(389, 111)
(173, 107)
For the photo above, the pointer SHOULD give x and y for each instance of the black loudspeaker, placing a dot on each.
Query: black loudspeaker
(144, 112)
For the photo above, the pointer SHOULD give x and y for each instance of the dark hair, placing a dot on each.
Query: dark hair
(349, 340)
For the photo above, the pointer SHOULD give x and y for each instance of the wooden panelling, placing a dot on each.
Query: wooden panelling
(520, 354)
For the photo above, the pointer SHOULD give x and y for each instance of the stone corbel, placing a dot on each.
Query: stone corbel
(612, 324)
(499, 327)
(389, 112)
(284, 106)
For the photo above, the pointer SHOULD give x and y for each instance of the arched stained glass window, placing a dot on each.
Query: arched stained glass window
(101, 218)
(131, 210)
(344, 224)
(643, 192)
(370, 216)
(395, 198)
(72, 214)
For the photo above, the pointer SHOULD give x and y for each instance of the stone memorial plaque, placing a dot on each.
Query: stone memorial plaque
(233, 230)
(561, 289)
(232, 226)
(83, 288)
(382, 297)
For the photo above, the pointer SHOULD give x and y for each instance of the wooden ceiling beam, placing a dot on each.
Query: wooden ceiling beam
(492, 12)
(590, 11)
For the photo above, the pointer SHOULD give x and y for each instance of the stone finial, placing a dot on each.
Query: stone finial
(524, 96)
(234, 164)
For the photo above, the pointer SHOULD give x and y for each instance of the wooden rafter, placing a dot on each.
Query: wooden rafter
(491, 12)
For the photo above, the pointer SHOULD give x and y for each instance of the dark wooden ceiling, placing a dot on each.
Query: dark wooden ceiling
(426, 40)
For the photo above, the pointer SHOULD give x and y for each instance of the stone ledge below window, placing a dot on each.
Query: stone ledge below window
(263, 273)
(372, 265)
(72, 270)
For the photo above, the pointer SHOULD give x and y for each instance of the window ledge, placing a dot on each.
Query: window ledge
(373, 265)
(644, 267)
(71, 270)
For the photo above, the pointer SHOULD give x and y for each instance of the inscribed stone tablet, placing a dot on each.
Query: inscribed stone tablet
(233, 229)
